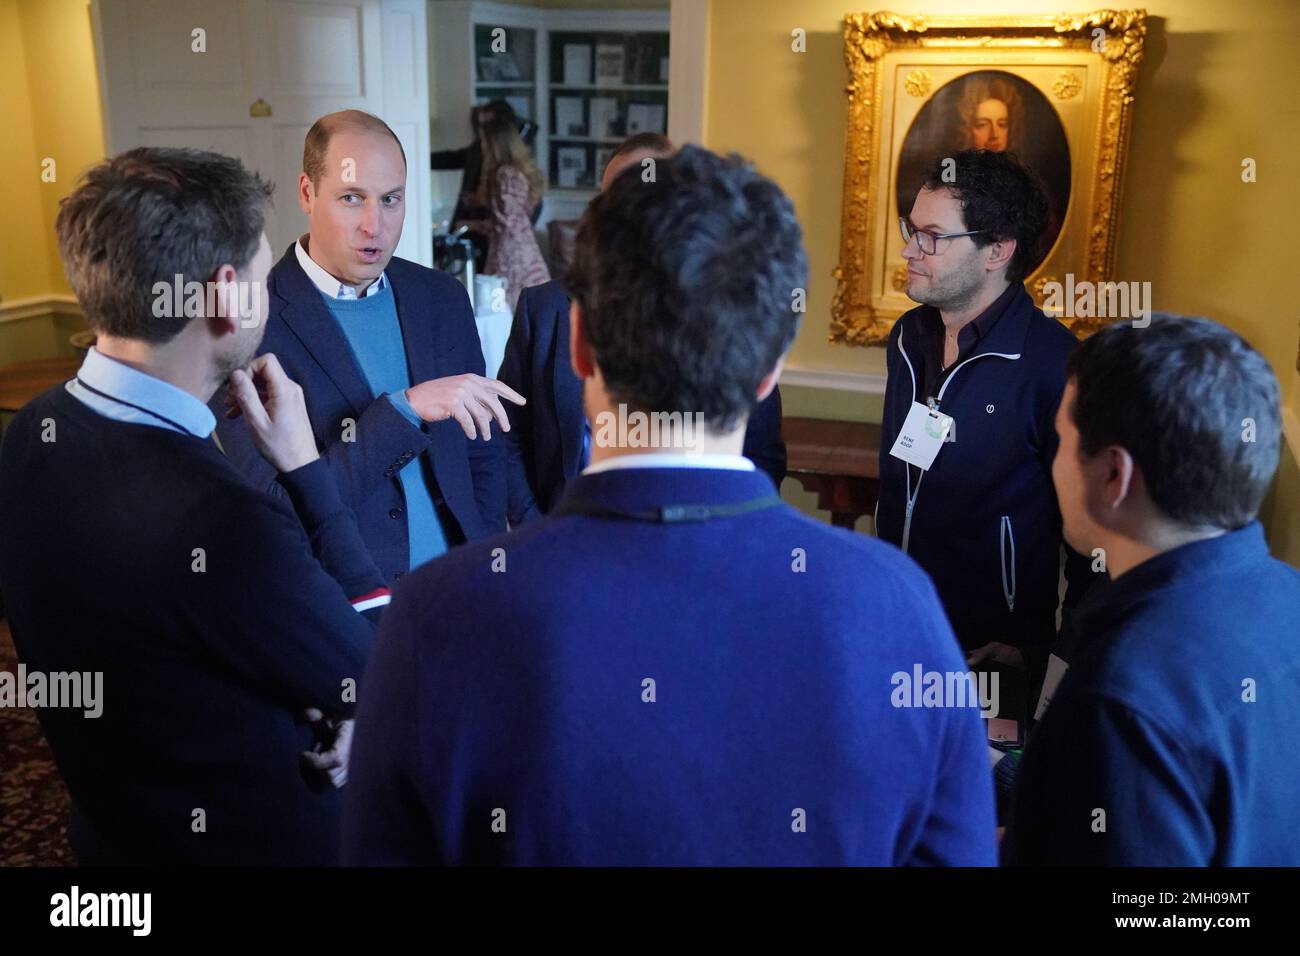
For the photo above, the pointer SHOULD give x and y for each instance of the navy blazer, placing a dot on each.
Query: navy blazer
(544, 445)
(717, 692)
(365, 439)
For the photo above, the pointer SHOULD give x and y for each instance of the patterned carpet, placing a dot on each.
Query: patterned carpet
(33, 800)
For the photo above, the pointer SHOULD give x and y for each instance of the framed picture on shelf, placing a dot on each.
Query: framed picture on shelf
(570, 165)
(577, 64)
(609, 64)
(645, 117)
(568, 116)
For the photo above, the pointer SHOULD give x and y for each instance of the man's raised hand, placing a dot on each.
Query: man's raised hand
(470, 399)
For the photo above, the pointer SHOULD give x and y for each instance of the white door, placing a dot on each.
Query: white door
(248, 79)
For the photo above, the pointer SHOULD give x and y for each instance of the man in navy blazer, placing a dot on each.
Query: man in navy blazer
(548, 444)
(673, 667)
(388, 357)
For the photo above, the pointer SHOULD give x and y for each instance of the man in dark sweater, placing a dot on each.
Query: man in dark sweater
(981, 516)
(1174, 737)
(218, 616)
(673, 667)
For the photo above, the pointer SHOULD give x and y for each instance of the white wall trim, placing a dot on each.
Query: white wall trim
(15, 310)
(869, 383)
(688, 65)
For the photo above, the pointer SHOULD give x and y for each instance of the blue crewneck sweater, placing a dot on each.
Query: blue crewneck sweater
(371, 327)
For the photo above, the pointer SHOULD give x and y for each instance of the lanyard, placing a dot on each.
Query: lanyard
(139, 408)
(667, 514)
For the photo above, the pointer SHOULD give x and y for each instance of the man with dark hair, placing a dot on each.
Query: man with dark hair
(388, 356)
(673, 667)
(1174, 737)
(131, 550)
(979, 515)
(550, 442)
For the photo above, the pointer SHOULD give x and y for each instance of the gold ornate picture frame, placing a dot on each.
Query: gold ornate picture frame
(1065, 89)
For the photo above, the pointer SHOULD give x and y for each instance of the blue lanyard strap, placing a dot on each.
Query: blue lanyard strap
(139, 408)
(667, 514)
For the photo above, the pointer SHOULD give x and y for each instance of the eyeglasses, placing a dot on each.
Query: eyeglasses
(928, 242)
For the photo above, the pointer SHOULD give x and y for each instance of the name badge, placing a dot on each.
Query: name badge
(921, 437)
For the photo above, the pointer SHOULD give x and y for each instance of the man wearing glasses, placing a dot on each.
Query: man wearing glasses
(974, 377)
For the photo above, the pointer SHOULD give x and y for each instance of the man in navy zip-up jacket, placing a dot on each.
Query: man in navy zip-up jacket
(983, 519)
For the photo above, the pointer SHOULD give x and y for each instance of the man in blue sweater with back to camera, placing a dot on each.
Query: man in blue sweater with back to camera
(1174, 737)
(673, 667)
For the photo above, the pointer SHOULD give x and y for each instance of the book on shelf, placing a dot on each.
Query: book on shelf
(568, 116)
(571, 165)
(604, 117)
(609, 64)
(645, 117)
(603, 155)
(577, 64)
(497, 68)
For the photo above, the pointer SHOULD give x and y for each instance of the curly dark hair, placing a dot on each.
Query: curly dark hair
(1181, 396)
(687, 274)
(1000, 194)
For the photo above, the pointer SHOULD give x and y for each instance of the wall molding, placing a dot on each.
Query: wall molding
(835, 380)
(15, 310)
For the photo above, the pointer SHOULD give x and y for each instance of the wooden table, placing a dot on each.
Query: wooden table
(837, 461)
(23, 381)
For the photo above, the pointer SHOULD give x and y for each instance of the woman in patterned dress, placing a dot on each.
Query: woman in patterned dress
(514, 187)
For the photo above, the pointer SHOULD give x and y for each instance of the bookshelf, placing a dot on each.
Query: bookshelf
(585, 104)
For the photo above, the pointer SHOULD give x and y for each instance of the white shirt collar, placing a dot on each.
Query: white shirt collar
(330, 286)
(671, 460)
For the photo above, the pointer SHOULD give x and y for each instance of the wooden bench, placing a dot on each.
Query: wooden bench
(837, 461)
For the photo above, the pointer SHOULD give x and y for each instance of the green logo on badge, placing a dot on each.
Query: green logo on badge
(933, 426)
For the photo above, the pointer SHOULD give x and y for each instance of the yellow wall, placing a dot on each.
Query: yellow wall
(1219, 83)
(24, 268)
(63, 89)
(50, 93)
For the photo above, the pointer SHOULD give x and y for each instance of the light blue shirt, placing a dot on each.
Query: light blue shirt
(117, 391)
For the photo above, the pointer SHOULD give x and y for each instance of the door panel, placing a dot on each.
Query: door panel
(300, 59)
